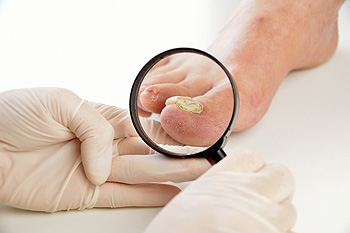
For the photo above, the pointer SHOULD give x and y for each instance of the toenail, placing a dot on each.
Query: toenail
(154, 94)
(185, 103)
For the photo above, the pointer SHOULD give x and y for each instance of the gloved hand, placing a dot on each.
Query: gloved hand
(240, 194)
(56, 154)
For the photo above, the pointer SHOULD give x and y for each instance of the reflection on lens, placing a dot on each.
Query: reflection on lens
(183, 150)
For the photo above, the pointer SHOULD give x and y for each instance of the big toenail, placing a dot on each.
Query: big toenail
(185, 103)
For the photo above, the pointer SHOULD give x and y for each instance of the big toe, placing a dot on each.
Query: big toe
(200, 121)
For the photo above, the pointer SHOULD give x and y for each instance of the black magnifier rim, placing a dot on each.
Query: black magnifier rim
(134, 113)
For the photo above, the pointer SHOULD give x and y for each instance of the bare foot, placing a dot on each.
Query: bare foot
(261, 44)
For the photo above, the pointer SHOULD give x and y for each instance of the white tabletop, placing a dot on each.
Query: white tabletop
(96, 50)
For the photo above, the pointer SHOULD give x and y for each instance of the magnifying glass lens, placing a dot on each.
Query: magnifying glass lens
(190, 97)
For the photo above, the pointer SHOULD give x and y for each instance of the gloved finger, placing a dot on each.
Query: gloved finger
(285, 219)
(135, 145)
(133, 169)
(279, 179)
(96, 135)
(131, 146)
(119, 119)
(121, 122)
(238, 161)
(113, 195)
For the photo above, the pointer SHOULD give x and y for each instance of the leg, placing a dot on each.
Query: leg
(263, 41)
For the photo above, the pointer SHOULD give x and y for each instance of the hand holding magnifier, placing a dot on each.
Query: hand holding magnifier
(187, 118)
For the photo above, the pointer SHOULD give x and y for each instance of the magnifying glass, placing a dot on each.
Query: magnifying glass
(202, 118)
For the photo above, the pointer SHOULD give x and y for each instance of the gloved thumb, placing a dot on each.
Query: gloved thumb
(239, 160)
(96, 136)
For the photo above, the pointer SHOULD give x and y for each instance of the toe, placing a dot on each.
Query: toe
(152, 99)
(205, 128)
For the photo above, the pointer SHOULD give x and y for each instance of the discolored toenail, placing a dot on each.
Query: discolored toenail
(185, 103)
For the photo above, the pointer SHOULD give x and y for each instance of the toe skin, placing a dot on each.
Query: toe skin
(191, 129)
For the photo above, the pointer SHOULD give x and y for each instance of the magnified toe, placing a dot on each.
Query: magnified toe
(153, 97)
(192, 126)
(199, 121)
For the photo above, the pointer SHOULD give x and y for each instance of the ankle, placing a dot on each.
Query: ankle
(256, 37)
(294, 34)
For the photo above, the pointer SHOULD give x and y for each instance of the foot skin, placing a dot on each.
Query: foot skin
(261, 44)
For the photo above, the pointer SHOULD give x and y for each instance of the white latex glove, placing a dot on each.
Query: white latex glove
(56, 153)
(240, 194)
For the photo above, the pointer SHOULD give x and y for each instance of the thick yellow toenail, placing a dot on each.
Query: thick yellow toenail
(185, 103)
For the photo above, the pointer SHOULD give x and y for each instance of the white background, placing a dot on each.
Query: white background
(96, 48)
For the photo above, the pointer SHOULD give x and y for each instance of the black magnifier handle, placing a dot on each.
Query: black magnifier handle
(220, 154)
